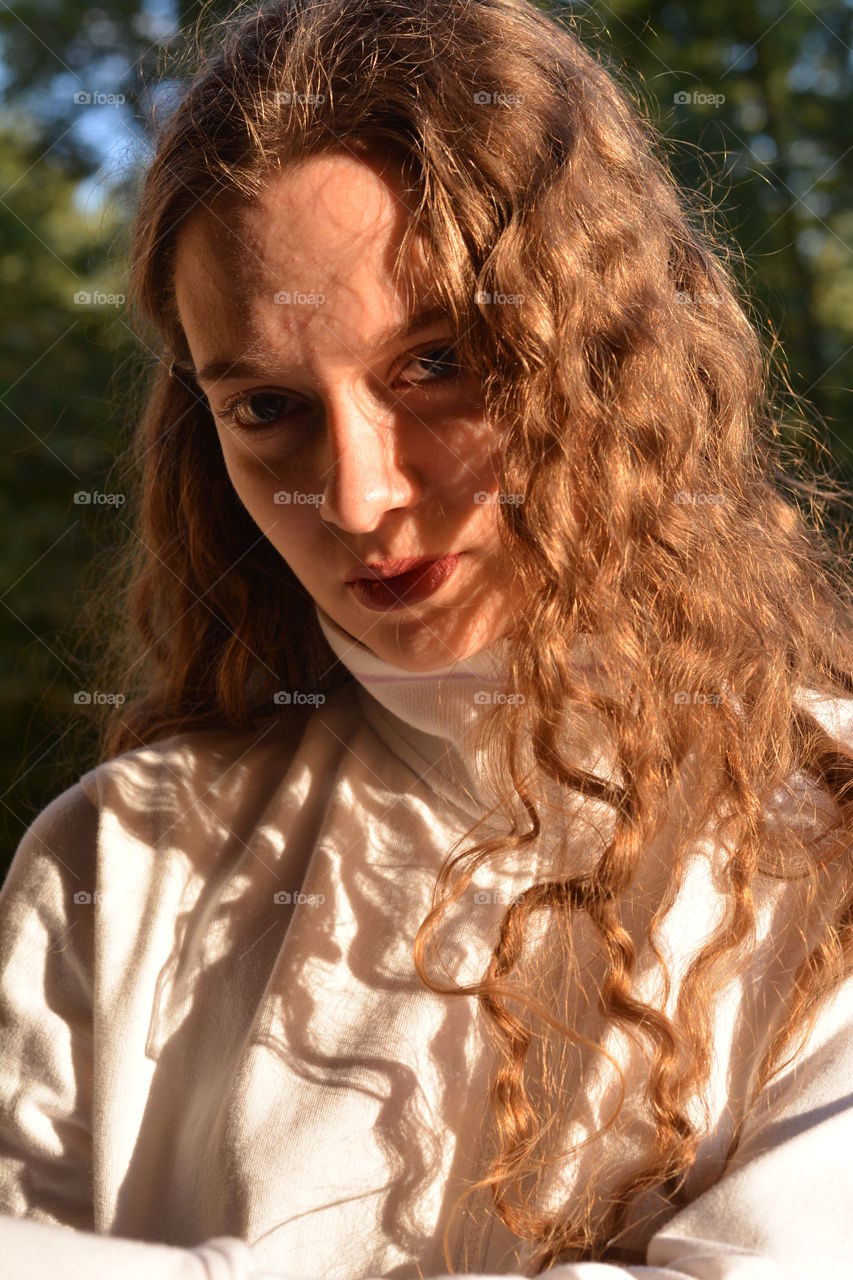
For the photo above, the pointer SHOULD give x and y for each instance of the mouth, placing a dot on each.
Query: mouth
(383, 586)
(390, 568)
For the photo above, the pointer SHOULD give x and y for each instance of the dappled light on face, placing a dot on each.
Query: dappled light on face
(350, 432)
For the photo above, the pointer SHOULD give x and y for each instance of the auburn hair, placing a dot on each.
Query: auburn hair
(640, 420)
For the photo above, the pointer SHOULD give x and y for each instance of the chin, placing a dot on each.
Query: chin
(428, 651)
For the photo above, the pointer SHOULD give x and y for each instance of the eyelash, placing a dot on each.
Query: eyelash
(229, 410)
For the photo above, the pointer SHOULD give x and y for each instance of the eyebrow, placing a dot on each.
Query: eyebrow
(222, 367)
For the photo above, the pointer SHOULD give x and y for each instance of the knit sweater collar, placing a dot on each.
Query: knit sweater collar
(430, 718)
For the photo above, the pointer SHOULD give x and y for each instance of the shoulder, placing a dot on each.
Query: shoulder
(187, 795)
(56, 853)
(142, 793)
(159, 779)
(198, 758)
(197, 791)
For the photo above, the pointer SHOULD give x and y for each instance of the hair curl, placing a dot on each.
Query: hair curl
(637, 421)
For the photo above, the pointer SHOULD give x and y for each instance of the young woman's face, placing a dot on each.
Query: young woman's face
(350, 445)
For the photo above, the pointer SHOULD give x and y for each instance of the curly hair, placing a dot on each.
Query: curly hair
(637, 407)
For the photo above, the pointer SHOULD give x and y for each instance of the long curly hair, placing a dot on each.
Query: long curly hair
(639, 418)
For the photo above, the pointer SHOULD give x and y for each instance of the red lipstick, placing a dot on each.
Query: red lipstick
(382, 585)
(388, 568)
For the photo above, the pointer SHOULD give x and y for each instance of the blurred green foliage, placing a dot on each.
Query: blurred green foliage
(757, 95)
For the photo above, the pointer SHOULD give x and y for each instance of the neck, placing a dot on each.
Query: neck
(429, 718)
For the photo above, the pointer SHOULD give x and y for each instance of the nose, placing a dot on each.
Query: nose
(364, 473)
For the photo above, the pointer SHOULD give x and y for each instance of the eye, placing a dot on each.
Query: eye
(267, 409)
(436, 359)
(262, 409)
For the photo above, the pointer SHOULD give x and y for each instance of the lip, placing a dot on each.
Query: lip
(402, 590)
(390, 568)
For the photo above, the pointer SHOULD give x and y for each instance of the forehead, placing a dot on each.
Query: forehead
(331, 220)
(330, 228)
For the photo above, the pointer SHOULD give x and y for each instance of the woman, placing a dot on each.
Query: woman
(464, 884)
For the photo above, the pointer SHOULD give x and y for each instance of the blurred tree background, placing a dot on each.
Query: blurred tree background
(756, 95)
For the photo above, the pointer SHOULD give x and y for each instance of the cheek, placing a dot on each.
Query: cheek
(254, 471)
(274, 502)
(253, 486)
(464, 458)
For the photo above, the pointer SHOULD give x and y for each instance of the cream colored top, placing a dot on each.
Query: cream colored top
(215, 1049)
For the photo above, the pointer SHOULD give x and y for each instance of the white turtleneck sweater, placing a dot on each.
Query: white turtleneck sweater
(217, 1060)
